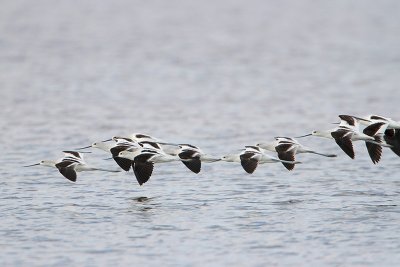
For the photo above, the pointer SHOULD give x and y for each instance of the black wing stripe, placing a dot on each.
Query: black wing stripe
(283, 147)
(76, 154)
(187, 154)
(349, 119)
(64, 164)
(372, 129)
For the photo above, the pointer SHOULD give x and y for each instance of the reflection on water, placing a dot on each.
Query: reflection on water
(218, 74)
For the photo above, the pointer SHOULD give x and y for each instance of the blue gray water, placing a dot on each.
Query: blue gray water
(218, 74)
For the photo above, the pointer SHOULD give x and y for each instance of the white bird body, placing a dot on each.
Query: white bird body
(251, 156)
(287, 148)
(348, 131)
(69, 165)
(156, 156)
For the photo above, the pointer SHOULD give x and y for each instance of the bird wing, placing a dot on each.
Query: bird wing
(347, 120)
(392, 137)
(66, 168)
(286, 152)
(73, 154)
(142, 167)
(343, 139)
(374, 151)
(249, 161)
(191, 159)
(375, 128)
(124, 163)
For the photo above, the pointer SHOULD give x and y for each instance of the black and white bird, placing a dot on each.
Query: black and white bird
(143, 161)
(120, 144)
(251, 156)
(348, 131)
(69, 165)
(392, 133)
(192, 156)
(287, 148)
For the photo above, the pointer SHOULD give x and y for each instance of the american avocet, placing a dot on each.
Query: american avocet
(120, 144)
(192, 156)
(69, 165)
(143, 161)
(375, 128)
(287, 148)
(251, 156)
(348, 131)
(392, 132)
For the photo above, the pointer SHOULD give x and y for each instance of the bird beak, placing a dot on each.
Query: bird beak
(85, 152)
(32, 165)
(83, 148)
(335, 122)
(107, 140)
(108, 158)
(303, 136)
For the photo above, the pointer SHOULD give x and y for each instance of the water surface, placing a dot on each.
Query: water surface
(218, 74)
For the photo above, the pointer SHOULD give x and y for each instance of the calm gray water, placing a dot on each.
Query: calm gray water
(218, 74)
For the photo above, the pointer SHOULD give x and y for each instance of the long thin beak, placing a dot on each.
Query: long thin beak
(107, 140)
(108, 158)
(85, 152)
(83, 148)
(335, 122)
(32, 165)
(303, 136)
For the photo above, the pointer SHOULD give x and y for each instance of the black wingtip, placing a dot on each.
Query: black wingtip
(68, 173)
(288, 166)
(194, 164)
(374, 150)
(142, 171)
(124, 163)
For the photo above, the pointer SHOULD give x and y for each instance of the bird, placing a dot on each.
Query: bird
(192, 156)
(251, 156)
(287, 148)
(69, 165)
(392, 133)
(120, 144)
(143, 161)
(348, 131)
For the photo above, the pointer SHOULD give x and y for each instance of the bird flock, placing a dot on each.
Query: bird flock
(140, 152)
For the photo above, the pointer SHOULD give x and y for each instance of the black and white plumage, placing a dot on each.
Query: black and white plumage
(119, 144)
(69, 165)
(192, 157)
(349, 131)
(143, 161)
(251, 157)
(392, 133)
(287, 148)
